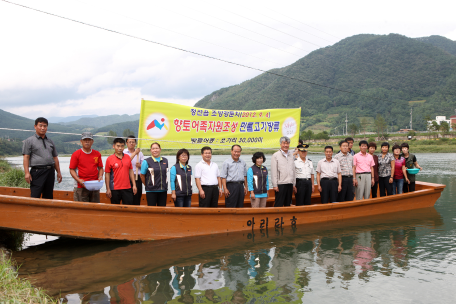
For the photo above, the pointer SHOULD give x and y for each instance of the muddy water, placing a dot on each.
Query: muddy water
(398, 258)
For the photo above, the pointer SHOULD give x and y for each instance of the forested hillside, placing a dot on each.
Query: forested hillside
(390, 73)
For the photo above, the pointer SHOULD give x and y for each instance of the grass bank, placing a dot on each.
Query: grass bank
(11, 177)
(16, 290)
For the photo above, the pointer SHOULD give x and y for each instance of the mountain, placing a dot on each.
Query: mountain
(440, 42)
(101, 121)
(119, 127)
(68, 118)
(63, 142)
(386, 73)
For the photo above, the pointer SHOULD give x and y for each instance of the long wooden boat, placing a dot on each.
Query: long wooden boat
(67, 266)
(64, 217)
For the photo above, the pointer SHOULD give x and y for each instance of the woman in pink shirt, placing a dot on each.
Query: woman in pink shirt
(400, 172)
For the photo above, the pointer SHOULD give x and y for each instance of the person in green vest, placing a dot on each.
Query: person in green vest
(410, 163)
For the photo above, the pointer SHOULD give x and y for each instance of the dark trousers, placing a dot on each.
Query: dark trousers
(211, 197)
(385, 187)
(408, 187)
(183, 201)
(304, 193)
(284, 196)
(374, 190)
(124, 195)
(329, 190)
(42, 183)
(347, 193)
(236, 197)
(156, 198)
(138, 195)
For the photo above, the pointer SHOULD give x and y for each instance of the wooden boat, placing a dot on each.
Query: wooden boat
(64, 217)
(67, 266)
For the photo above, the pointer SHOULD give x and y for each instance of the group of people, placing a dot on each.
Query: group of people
(348, 175)
(340, 178)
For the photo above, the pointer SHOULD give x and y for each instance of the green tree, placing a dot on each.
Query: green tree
(307, 135)
(380, 125)
(364, 123)
(127, 132)
(444, 127)
(428, 121)
(352, 129)
(111, 139)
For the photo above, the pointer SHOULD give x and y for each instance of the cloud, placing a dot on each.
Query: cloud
(50, 65)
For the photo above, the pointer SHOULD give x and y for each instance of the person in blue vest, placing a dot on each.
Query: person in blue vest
(257, 181)
(180, 179)
(154, 172)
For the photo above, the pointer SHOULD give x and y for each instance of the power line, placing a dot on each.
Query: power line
(289, 25)
(276, 12)
(228, 31)
(244, 28)
(112, 12)
(191, 52)
(266, 25)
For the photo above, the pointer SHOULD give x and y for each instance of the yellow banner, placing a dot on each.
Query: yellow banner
(175, 126)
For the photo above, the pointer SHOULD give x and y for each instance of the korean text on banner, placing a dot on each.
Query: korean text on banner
(175, 126)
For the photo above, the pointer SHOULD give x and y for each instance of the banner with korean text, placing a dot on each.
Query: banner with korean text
(175, 126)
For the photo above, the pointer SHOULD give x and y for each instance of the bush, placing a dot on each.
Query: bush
(14, 178)
(444, 139)
(372, 139)
(4, 166)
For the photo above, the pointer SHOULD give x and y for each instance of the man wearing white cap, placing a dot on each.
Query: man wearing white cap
(86, 165)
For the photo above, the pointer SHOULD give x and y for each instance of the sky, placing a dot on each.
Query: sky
(54, 67)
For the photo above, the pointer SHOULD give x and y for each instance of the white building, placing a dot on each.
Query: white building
(439, 120)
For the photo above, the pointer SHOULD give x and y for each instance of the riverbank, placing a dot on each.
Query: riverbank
(16, 290)
(442, 145)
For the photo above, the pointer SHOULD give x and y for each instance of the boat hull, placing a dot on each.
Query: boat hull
(120, 222)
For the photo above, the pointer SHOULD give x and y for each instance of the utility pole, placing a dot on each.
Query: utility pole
(346, 122)
(411, 116)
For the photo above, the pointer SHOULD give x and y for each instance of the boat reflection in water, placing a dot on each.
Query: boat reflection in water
(261, 266)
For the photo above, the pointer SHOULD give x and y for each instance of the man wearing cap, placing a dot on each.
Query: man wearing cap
(283, 174)
(305, 174)
(40, 155)
(86, 165)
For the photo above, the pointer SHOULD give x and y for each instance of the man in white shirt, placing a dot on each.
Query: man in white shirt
(137, 158)
(207, 178)
(305, 174)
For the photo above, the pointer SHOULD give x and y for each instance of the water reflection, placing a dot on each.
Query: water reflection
(275, 265)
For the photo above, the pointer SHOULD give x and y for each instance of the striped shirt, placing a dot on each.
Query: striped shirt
(346, 163)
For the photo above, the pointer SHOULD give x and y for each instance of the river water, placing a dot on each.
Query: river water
(407, 257)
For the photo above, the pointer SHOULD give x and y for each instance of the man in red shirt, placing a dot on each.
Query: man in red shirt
(86, 165)
(119, 174)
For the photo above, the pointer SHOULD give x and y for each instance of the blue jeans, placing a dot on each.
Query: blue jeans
(398, 186)
(183, 201)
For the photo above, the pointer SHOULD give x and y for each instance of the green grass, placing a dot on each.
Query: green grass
(16, 290)
(4, 166)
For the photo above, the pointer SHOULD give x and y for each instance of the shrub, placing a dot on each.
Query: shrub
(14, 178)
